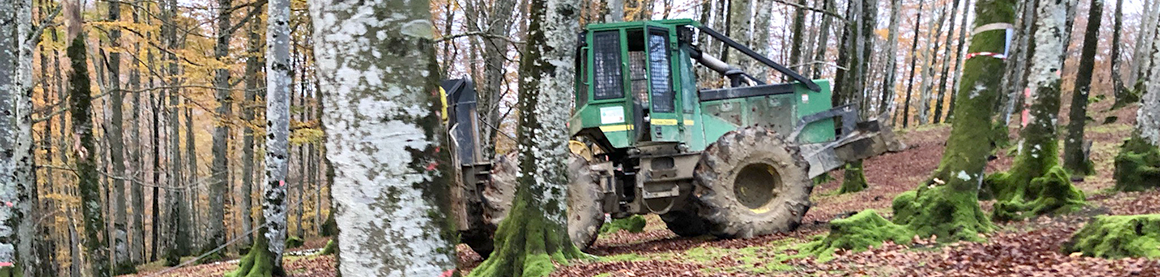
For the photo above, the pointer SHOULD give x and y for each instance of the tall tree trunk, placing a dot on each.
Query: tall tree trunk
(946, 64)
(824, 41)
(404, 162)
(760, 43)
(1015, 77)
(799, 22)
(495, 50)
(888, 87)
(739, 27)
(1117, 80)
(80, 99)
(913, 65)
(193, 180)
(253, 68)
(1144, 39)
(960, 59)
(1075, 157)
(115, 137)
(965, 156)
(265, 257)
(1036, 184)
(178, 241)
(534, 233)
(155, 209)
(218, 190)
(929, 62)
(17, 175)
(137, 188)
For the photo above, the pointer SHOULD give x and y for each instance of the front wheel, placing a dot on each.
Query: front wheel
(750, 183)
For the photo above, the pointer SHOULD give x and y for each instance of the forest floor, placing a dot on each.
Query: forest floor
(1026, 248)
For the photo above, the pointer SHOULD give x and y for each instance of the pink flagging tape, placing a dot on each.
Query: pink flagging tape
(987, 54)
(6, 264)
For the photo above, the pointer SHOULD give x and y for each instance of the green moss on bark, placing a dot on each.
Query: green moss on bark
(1137, 165)
(1051, 193)
(1117, 237)
(11, 271)
(330, 249)
(632, 224)
(942, 211)
(854, 178)
(259, 262)
(857, 233)
(294, 242)
(527, 244)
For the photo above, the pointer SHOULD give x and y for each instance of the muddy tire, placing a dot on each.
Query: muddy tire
(750, 183)
(685, 224)
(585, 215)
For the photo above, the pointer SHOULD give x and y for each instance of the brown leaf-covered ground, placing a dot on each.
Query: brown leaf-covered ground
(1028, 248)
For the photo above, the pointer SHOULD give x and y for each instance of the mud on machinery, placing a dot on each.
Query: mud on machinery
(732, 162)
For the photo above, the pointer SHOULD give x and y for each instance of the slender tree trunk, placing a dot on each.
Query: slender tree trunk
(389, 172)
(1117, 80)
(929, 62)
(799, 22)
(1074, 155)
(946, 64)
(761, 23)
(193, 180)
(115, 138)
(1015, 77)
(1143, 41)
(825, 38)
(155, 210)
(891, 52)
(216, 231)
(960, 59)
(913, 65)
(136, 188)
(178, 241)
(253, 68)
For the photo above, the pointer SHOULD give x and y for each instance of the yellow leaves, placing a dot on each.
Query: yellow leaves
(305, 136)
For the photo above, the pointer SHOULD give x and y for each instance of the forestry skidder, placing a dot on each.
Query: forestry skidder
(732, 162)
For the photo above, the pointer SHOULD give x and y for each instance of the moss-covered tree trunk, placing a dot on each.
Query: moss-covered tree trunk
(1117, 80)
(1075, 158)
(80, 100)
(1119, 236)
(384, 137)
(853, 81)
(1036, 184)
(534, 234)
(947, 205)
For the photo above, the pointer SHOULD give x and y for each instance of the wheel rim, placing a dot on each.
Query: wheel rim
(755, 186)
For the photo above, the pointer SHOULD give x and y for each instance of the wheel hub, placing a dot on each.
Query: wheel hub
(755, 186)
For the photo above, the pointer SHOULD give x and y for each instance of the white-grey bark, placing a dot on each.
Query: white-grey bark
(277, 125)
(114, 137)
(216, 232)
(17, 183)
(929, 61)
(1049, 41)
(1148, 116)
(615, 11)
(378, 73)
(887, 101)
(1144, 37)
(761, 23)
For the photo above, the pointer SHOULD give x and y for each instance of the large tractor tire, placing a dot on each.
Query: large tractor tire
(751, 182)
(684, 223)
(585, 215)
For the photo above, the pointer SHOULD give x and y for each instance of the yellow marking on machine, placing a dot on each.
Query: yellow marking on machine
(664, 121)
(616, 128)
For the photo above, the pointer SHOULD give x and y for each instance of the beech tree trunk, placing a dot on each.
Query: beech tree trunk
(891, 52)
(17, 175)
(253, 68)
(1036, 184)
(1075, 158)
(1117, 79)
(80, 100)
(942, 85)
(965, 157)
(265, 257)
(216, 232)
(115, 138)
(905, 114)
(929, 62)
(403, 231)
(533, 235)
(960, 59)
(178, 241)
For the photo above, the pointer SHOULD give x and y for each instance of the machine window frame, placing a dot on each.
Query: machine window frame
(608, 79)
(663, 97)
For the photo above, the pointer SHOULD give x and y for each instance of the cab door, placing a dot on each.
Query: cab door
(664, 117)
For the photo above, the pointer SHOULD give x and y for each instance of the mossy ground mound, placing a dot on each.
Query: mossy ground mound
(857, 233)
(1137, 166)
(294, 242)
(1049, 194)
(632, 224)
(1118, 236)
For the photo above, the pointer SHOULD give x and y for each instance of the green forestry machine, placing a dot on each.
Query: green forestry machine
(731, 162)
